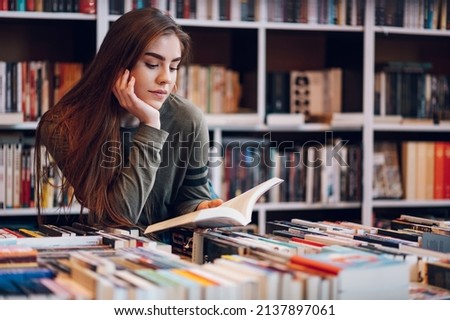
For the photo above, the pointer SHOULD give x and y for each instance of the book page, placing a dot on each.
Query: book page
(245, 202)
(234, 212)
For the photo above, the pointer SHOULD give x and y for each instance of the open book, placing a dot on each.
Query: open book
(234, 212)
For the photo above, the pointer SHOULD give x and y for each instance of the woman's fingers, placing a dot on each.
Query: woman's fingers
(124, 90)
(209, 204)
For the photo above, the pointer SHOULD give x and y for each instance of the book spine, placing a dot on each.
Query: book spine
(436, 242)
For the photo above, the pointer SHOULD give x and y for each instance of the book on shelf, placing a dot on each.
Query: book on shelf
(51, 242)
(347, 118)
(234, 212)
(278, 93)
(436, 242)
(7, 118)
(225, 119)
(438, 274)
(360, 275)
(387, 179)
(316, 93)
(425, 221)
(285, 119)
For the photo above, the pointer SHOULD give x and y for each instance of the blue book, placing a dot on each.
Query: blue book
(25, 274)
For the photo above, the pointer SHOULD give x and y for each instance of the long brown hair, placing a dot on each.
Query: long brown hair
(89, 114)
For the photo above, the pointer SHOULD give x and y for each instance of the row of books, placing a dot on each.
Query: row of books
(430, 233)
(214, 88)
(422, 243)
(410, 90)
(194, 9)
(426, 175)
(412, 170)
(312, 173)
(29, 88)
(33, 261)
(298, 259)
(430, 14)
(77, 234)
(17, 184)
(81, 6)
(417, 14)
(309, 92)
(310, 176)
(17, 177)
(348, 12)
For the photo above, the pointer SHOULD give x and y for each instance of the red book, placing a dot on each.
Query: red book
(4, 5)
(315, 264)
(15, 233)
(30, 5)
(87, 6)
(439, 170)
(309, 242)
(312, 271)
(446, 170)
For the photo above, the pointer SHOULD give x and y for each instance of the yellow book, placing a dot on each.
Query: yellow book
(11, 265)
(201, 280)
(429, 180)
(409, 171)
(31, 233)
(421, 170)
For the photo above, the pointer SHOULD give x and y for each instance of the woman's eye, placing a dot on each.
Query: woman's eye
(151, 66)
(174, 68)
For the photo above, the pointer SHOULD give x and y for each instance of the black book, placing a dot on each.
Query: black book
(114, 241)
(399, 234)
(438, 274)
(397, 224)
(182, 241)
(53, 231)
(214, 248)
(85, 227)
(278, 92)
(287, 234)
(77, 231)
(382, 240)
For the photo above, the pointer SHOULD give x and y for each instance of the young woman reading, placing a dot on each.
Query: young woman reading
(134, 152)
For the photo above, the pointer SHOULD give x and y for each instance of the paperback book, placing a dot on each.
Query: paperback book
(234, 212)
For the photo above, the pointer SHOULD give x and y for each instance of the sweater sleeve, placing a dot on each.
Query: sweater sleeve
(195, 187)
(129, 192)
(132, 187)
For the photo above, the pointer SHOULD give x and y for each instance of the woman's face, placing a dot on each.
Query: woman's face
(156, 70)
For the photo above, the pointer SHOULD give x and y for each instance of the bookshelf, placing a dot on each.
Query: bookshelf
(255, 48)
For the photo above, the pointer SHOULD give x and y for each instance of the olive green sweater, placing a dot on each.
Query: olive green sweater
(164, 171)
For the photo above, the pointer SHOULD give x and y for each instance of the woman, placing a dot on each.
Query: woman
(133, 151)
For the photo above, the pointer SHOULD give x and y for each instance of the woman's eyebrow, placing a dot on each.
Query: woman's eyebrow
(160, 57)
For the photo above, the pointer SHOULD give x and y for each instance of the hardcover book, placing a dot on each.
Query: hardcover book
(234, 212)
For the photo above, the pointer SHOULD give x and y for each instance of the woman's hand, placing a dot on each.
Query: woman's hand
(209, 204)
(124, 92)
